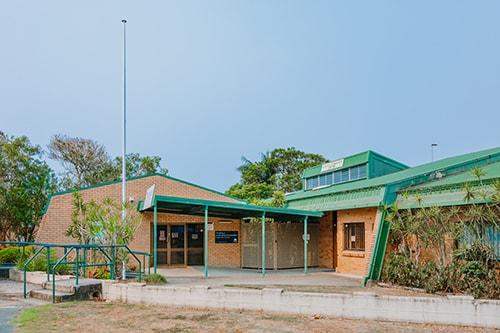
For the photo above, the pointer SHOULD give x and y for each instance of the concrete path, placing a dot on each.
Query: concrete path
(218, 277)
(11, 302)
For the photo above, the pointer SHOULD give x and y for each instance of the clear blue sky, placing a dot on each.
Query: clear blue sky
(210, 81)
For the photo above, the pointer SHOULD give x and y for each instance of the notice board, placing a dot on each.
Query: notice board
(226, 237)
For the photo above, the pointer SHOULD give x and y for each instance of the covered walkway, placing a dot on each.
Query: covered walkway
(206, 208)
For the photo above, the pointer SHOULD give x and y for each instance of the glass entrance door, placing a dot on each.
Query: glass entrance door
(195, 244)
(177, 244)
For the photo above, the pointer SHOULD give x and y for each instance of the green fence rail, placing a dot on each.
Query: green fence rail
(80, 262)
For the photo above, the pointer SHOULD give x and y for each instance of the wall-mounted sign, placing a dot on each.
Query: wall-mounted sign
(332, 165)
(148, 201)
(226, 237)
(210, 227)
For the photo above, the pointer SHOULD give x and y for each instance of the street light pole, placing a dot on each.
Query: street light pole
(124, 132)
(432, 150)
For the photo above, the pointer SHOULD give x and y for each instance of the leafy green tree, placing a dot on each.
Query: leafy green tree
(278, 170)
(26, 181)
(102, 223)
(137, 165)
(86, 162)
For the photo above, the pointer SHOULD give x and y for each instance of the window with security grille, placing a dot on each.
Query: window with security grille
(354, 236)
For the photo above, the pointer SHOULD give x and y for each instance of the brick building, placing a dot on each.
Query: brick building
(335, 222)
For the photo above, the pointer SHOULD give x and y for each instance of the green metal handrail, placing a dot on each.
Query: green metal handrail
(54, 274)
(68, 248)
(30, 259)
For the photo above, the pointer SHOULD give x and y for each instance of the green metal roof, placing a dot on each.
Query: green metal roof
(178, 205)
(492, 171)
(353, 160)
(448, 191)
(370, 197)
(349, 161)
(408, 177)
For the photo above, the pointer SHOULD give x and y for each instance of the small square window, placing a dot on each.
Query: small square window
(354, 172)
(325, 179)
(362, 171)
(337, 177)
(354, 236)
(345, 175)
(312, 182)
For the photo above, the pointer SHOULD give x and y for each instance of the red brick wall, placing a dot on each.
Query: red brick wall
(326, 241)
(356, 262)
(56, 220)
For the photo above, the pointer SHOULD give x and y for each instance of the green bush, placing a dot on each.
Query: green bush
(479, 280)
(475, 277)
(477, 251)
(155, 279)
(101, 273)
(400, 270)
(9, 255)
(40, 262)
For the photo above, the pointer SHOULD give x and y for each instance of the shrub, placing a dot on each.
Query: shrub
(479, 280)
(155, 279)
(477, 251)
(101, 273)
(9, 255)
(399, 269)
(440, 279)
(40, 262)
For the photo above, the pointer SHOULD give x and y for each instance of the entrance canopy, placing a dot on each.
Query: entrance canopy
(199, 207)
(187, 206)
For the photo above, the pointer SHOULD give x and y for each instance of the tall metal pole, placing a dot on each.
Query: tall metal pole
(432, 151)
(263, 245)
(124, 131)
(305, 244)
(205, 243)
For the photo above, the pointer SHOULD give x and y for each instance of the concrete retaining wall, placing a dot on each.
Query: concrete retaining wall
(455, 310)
(34, 277)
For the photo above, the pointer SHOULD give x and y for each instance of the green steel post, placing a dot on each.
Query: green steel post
(53, 285)
(48, 264)
(263, 226)
(113, 261)
(205, 242)
(24, 280)
(155, 231)
(77, 265)
(305, 245)
(84, 262)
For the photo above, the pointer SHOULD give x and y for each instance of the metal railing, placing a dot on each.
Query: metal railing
(80, 259)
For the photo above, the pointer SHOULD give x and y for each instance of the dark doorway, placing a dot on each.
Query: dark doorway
(180, 244)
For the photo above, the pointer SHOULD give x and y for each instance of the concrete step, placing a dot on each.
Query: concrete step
(61, 286)
(46, 295)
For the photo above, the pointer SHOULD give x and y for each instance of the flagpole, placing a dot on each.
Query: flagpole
(124, 132)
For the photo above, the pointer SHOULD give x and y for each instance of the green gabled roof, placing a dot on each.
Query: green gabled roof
(370, 197)
(349, 161)
(189, 206)
(492, 171)
(353, 160)
(134, 178)
(415, 175)
(449, 191)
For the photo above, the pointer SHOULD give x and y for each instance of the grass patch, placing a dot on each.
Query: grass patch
(155, 279)
(28, 317)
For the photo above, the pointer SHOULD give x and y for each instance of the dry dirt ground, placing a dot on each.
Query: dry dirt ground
(117, 317)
